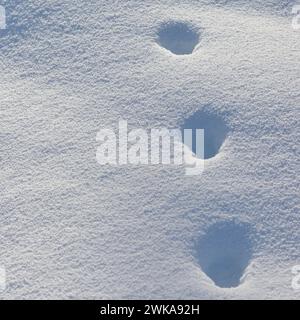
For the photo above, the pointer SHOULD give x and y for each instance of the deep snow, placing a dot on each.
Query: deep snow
(73, 229)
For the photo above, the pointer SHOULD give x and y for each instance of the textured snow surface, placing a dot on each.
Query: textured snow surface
(71, 228)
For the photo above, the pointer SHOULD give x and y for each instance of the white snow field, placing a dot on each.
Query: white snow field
(73, 229)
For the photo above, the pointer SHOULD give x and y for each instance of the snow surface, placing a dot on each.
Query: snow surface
(71, 228)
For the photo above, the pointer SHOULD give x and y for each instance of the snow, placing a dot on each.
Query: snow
(71, 228)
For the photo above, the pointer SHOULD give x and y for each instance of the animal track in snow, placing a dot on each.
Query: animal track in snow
(215, 132)
(224, 253)
(178, 37)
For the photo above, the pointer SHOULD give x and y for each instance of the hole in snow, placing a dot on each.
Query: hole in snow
(215, 132)
(224, 253)
(178, 37)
